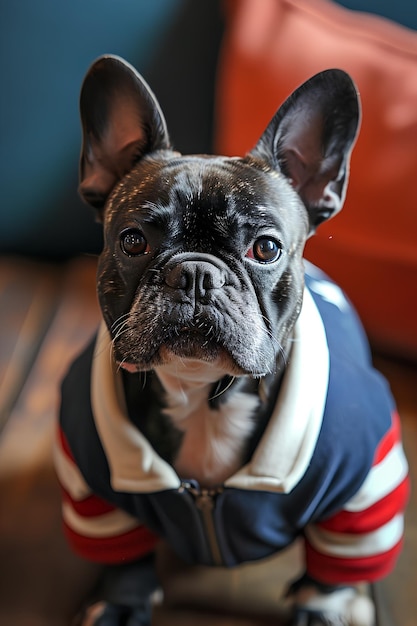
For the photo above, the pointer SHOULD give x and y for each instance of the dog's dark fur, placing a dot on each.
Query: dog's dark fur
(200, 217)
(201, 277)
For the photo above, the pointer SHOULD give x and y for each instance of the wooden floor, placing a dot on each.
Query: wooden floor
(46, 316)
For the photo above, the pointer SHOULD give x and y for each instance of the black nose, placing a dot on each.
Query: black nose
(195, 278)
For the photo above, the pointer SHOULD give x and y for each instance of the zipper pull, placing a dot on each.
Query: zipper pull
(205, 500)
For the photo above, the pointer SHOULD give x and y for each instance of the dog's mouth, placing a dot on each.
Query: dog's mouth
(191, 342)
(197, 342)
(188, 342)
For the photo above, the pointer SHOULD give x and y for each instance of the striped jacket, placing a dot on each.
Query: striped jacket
(329, 467)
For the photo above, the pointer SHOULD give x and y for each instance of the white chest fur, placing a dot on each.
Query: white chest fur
(215, 439)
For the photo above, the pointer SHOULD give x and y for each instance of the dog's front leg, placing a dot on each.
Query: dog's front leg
(316, 604)
(124, 596)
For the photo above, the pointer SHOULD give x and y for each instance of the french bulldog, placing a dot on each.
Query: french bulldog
(228, 403)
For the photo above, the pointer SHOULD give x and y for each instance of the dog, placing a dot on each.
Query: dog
(228, 403)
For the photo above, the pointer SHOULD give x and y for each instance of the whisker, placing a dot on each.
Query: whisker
(120, 364)
(119, 321)
(268, 333)
(217, 395)
(143, 376)
(104, 345)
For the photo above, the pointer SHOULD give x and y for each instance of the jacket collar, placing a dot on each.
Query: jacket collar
(285, 450)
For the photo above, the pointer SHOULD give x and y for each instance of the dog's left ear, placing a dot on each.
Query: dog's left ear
(121, 121)
(310, 140)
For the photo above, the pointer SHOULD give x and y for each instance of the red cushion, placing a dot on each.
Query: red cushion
(270, 47)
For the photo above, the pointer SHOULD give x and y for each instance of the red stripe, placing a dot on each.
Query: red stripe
(128, 546)
(336, 570)
(392, 437)
(372, 518)
(91, 505)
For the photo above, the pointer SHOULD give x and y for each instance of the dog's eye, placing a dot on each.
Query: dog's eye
(265, 250)
(133, 243)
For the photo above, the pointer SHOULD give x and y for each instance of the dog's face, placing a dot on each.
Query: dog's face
(198, 263)
(202, 259)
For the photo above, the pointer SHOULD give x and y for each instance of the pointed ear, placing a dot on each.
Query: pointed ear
(310, 140)
(121, 122)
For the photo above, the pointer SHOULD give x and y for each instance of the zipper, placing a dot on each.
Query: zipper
(205, 501)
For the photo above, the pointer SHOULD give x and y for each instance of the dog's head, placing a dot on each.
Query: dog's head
(202, 259)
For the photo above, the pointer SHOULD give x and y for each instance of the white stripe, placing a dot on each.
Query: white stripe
(284, 452)
(69, 475)
(134, 464)
(110, 524)
(381, 480)
(352, 546)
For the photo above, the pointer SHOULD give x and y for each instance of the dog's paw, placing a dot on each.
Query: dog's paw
(316, 605)
(105, 614)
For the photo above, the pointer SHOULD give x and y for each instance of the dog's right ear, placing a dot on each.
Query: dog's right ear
(121, 122)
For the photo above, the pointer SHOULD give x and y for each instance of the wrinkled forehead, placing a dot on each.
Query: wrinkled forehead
(216, 189)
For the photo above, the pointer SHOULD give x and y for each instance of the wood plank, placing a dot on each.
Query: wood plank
(396, 594)
(28, 297)
(250, 593)
(42, 582)
(193, 617)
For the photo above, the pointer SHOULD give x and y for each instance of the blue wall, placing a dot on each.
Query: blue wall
(402, 11)
(45, 49)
